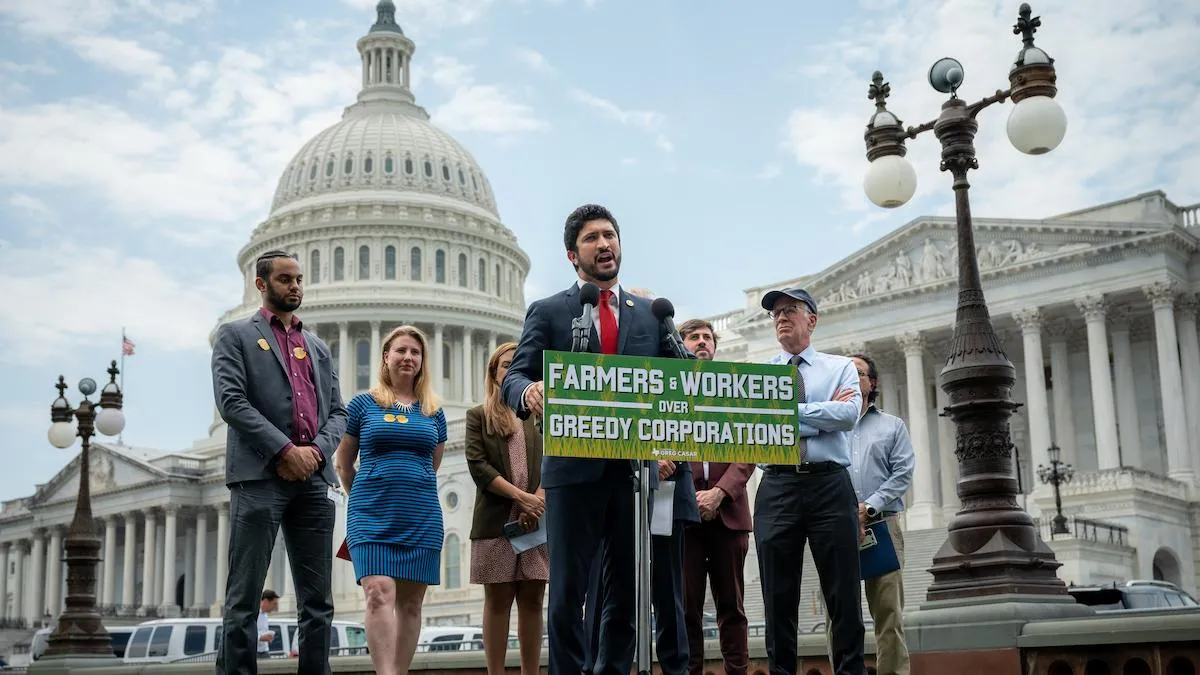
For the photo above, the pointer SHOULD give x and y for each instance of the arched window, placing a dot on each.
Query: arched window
(482, 272)
(497, 280)
(414, 264)
(368, 164)
(314, 267)
(408, 166)
(364, 263)
(389, 262)
(428, 169)
(362, 365)
(339, 264)
(453, 565)
(439, 265)
(462, 270)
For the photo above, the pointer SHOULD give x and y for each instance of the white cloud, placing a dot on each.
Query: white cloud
(534, 60)
(432, 14)
(31, 206)
(478, 107)
(123, 56)
(650, 121)
(62, 297)
(1125, 78)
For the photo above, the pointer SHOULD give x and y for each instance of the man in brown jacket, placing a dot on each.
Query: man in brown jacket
(715, 549)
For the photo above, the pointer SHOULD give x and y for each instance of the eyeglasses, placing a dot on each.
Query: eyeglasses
(786, 311)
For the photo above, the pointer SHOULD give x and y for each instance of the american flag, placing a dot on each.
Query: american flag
(126, 346)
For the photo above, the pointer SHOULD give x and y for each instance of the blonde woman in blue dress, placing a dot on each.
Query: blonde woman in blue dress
(394, 528)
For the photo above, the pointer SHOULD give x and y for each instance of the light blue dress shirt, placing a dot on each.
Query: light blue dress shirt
(882, 460)
(825, 424)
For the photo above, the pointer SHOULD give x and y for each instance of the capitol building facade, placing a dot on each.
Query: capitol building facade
(396, 223)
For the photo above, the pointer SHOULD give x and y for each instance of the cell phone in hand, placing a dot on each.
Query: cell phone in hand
(513, 529)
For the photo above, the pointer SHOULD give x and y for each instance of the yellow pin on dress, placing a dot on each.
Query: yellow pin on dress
(401, 419)
(264, 345)
(299, 353)
(389, 417)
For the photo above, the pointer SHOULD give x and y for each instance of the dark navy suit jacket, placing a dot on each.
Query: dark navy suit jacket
(548, 326)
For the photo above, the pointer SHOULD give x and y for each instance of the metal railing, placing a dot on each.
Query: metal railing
(1086, 529)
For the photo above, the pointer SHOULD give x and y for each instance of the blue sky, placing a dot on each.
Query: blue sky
(141, 140)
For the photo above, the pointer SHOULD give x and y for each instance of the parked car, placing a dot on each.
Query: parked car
(1133, 595)
(169, 640)
(119, 636)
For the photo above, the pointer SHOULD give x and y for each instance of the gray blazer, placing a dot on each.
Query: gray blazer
(254, 396)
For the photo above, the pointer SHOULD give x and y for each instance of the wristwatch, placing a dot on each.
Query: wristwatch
(872, 512)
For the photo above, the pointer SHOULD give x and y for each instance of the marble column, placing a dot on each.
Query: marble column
(18, 561)
(37, 565)
(947, 460)
(1059, 331)
(376, 351)
(491, 346)
(889, 384)
(1162, 299)
(149, 562)
(128, 564)
(1128, 426)
(345, 354)
(1104, 414)
(439, 369)
(922, 513)
(54, 575)
(200, 573)
(4, 548)
(189, 566)
(1037, 408)
(1189, 358)
(468, 383)
(110, 561)
(170, 534)
(222, 579)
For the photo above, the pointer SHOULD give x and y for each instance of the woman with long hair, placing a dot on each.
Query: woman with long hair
(394, 528)
(504, 456)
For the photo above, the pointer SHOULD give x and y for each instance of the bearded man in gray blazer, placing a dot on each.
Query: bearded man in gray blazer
(275, 387)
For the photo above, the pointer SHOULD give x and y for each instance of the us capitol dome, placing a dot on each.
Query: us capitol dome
(394, 222)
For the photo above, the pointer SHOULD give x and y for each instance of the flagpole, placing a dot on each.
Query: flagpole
(121, 436)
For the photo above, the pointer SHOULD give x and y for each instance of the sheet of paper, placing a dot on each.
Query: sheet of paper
(662, 517)
(530, 539)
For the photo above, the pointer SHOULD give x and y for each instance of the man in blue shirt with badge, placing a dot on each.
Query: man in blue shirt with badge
(881, 467)
(811, 500)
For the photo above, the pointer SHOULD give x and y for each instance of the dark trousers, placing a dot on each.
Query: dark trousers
(819, 508)
(714, 553)
(257, 511)
(582, 522)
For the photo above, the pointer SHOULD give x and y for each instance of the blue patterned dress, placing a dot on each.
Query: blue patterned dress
(394, 518)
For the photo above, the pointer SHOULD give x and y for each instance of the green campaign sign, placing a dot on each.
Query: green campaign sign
(634, 407)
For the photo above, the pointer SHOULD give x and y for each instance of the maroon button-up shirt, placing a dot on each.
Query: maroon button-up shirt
(299, 366)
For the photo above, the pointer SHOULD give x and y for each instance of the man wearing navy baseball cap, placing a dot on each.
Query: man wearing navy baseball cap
(811, 500)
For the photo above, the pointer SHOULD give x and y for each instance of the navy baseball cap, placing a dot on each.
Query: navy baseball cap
(796, 293)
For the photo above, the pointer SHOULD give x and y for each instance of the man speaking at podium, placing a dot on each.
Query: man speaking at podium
(589, 502)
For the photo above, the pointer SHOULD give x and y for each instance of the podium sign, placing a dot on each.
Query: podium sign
(602, 406)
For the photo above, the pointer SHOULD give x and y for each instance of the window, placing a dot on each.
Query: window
(462, 270)
(445, 173)
(160, 642)
(482, 272)
(364, 263)
(414, 272)
(349, 167)
(362, 365)
(453, 571)
(388, 166)
(312, 173)
(445, 362)
(428, 169)
(389, 262)
(194, 638)
(439, 264)
(452, 500)
(497, 280)
(408, 166)
(277, 641)
(314, 267)
(462, 180)
(137, 646)
(329, 168)
(368, 164)
(339, 264)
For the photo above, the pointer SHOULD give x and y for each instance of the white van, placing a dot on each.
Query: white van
(450, 639)
(166, 640)
(119, 636)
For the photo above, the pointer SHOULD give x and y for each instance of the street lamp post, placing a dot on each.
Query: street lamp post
(993, 547)
(80, 631)
(1057, 475)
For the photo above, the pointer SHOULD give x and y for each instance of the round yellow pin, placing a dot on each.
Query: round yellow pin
(401, 419)
(299, 353)
(389, 417)
(263, 345)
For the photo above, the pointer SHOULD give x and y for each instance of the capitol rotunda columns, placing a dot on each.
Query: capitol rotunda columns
(222, 558)
(1104, 414)
(923, 512)
(1037, 407)
(1162, 299)
(1189, 351)
(1128, 427)
(109, 557)
(1060, 331)
(149, 560)
(129, 563)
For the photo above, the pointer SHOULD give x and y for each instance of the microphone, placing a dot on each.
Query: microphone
(664, 311)
(581, 326)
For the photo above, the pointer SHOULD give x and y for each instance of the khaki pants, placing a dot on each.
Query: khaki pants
(885, 599)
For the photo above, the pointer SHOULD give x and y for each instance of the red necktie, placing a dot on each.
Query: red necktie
(608, 325)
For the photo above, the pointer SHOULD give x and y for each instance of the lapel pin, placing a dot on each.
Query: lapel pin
(401, 419)
(389, 417)
(629, 301)
(262, 344)
(299, 353)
